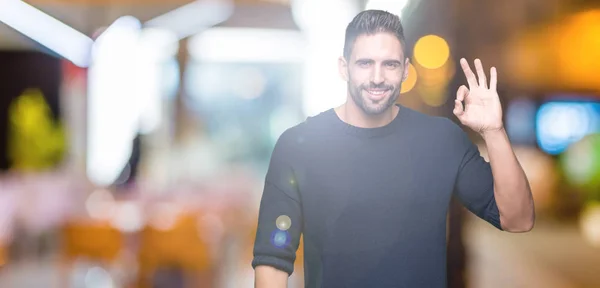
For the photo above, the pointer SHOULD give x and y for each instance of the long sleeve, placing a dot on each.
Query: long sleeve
(280, 214)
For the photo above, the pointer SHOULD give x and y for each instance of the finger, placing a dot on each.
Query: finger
(462, 93)
(480, 73)
(458, 109)
(494, 80)
(471, 79)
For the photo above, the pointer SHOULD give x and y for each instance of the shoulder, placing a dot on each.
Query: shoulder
(436, 128)
(306, 129)
(297, 132)
(295, 137)
(437, 124)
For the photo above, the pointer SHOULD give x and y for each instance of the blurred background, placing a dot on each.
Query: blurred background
(135, 135)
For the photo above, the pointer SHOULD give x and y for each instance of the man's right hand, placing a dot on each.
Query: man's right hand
(269, 277)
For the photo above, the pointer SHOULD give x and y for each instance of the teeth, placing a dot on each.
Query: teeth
(377, 92)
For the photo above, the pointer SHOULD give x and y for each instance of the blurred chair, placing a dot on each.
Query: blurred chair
(179, 246)
(299, 264)
(92, 240)
(89, 240)
(3, 255)
(298, 277)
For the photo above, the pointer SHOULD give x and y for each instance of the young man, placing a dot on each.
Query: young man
(368, 183)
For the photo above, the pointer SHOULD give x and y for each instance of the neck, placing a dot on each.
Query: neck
(352, 114)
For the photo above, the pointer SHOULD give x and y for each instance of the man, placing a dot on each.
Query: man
(368, 183)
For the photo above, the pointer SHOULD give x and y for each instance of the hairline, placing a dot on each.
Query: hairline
(350, 47)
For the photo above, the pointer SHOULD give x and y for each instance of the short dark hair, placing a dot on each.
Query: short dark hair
(371, 22)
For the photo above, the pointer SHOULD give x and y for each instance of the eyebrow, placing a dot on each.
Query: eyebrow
(366, 60)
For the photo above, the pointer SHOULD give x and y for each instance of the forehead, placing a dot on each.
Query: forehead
(379, 46)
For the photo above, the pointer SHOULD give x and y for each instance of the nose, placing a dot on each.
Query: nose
(377, 75)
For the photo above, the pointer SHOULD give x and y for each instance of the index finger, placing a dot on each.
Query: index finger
(471, 79)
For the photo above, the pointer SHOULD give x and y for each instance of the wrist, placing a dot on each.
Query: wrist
(493, 133)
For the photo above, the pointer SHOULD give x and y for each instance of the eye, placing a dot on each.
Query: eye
(392, 65)
(363, 64)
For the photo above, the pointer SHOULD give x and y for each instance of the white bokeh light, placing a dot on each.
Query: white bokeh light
(324, 24)
(125, 93)
(392, 6)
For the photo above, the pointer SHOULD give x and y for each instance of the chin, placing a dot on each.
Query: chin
(376, 108)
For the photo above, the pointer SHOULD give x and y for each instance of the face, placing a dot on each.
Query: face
(375, 72)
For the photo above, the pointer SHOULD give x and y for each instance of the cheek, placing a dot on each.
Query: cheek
(395, 77)
(358, 78)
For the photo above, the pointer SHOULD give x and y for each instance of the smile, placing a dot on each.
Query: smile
(377, 94)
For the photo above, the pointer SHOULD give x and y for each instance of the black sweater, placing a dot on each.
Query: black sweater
(371, 203)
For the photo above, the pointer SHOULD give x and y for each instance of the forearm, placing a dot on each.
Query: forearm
(269, 277)
(511, 187)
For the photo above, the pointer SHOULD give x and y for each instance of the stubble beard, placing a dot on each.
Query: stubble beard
(368, 106)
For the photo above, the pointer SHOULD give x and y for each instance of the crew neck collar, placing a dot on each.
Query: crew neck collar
(368, 132)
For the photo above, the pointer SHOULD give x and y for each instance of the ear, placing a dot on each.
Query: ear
(343, 68)
(406, 66)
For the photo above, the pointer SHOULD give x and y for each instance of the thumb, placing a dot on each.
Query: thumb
(458, 109)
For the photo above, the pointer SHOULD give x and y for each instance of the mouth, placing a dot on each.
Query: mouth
(377, 94)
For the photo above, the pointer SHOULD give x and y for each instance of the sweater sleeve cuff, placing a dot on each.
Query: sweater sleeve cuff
(274, 262)
(493, 217)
